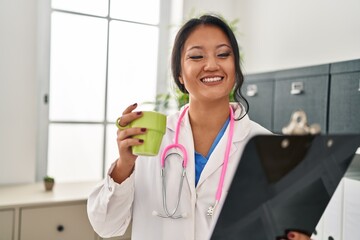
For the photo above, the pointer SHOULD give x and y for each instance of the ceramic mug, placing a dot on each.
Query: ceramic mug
(155, 124)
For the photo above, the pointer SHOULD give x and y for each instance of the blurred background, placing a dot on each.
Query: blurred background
(68, 68)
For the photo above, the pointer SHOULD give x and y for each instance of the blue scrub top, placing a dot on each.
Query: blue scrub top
(200, 160)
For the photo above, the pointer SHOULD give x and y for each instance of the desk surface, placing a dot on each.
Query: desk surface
(35, 194)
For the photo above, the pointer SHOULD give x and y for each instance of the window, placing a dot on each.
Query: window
(104, 56)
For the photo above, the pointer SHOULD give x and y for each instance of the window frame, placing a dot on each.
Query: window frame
(43, 74)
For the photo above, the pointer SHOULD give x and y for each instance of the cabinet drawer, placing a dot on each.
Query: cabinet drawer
(6, 224)
(309, 94)
(260, 97)
(66, 222)
(344, 110)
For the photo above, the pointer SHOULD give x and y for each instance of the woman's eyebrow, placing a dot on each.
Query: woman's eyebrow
(197, 47)
(223, 45)
(194, 47)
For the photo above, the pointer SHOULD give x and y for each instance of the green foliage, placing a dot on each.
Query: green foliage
(163, 100)
(182, 98)
(49, 179)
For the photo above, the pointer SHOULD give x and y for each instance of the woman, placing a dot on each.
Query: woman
(205, 64)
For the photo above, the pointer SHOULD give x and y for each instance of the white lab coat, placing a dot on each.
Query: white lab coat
(112, 206)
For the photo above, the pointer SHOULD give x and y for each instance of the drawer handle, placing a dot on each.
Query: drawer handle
(297, 88)
(60, 228)
(251, 90)
(359, 86)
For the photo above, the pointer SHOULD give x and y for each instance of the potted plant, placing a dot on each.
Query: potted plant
(49, 183)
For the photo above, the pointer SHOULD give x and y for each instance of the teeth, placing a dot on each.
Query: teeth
(213, 79)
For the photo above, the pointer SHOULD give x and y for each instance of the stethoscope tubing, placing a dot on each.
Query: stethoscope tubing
(164, 155)
(167, 213)
(176, 144)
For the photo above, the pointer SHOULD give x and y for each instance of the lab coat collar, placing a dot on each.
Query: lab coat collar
(241, 131)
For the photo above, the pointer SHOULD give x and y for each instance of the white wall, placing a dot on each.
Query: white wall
(18, 91)
(225, 8)
(279, 34)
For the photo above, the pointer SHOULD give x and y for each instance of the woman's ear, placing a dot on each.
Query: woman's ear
(181, 80)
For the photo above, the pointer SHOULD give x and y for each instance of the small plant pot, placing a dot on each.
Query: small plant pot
(49, 186)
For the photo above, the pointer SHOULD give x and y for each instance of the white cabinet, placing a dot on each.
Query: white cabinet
(351, 214)
(56, 222)
(318, 233)
(28, 212)
(341, 219)
(6, 224)
(333, 215)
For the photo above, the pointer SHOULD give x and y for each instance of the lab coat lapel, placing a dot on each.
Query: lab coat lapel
(216, 160)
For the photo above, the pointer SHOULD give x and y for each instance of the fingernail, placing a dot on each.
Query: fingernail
(143, 129)
(290, 235)
(134, 104)
(141, 140)
(138, 113)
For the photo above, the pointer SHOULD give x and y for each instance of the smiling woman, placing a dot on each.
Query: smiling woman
(205, 64)
(201, 147)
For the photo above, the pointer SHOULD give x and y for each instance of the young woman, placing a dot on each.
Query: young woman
(205, 64)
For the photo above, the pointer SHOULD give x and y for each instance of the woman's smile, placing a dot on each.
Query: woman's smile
(211, 79)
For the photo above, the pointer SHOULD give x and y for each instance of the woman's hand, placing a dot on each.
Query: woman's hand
(125, 141)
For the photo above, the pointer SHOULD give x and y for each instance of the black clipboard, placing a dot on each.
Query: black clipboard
(283, 183)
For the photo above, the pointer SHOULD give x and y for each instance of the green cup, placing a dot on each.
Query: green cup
(155, 124)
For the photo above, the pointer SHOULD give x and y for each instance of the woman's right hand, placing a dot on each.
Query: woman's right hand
(126, 161)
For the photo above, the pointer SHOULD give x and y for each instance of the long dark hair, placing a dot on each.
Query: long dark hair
(183, 35)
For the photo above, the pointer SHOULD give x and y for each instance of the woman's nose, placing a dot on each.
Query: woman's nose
(211, 64)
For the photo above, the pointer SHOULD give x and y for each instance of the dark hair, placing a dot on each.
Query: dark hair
(183, 35)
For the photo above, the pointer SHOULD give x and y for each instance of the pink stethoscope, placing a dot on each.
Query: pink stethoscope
(164, 155)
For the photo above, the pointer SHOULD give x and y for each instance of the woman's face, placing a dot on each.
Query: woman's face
(207, 64)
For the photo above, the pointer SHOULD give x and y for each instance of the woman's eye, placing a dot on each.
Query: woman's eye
(195, 57)
(224, 55)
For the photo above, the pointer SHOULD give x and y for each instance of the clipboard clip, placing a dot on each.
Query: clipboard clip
(298, 125)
